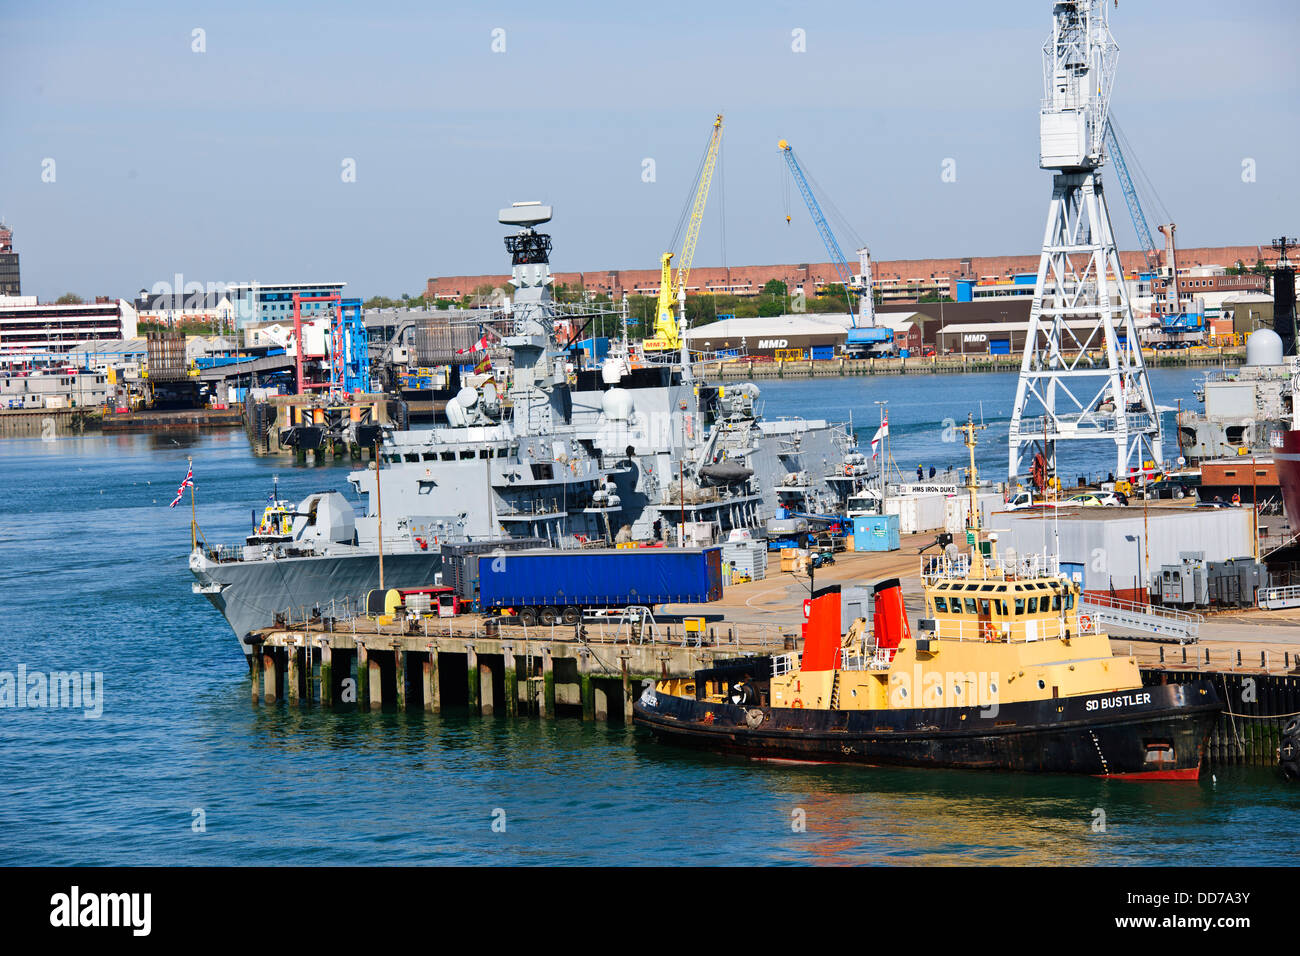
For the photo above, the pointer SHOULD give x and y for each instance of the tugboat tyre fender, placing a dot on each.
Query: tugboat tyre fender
(754, 718)
(1291, 728)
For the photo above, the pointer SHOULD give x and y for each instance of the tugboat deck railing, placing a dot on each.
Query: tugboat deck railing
(1017, 632)
(1022, 566)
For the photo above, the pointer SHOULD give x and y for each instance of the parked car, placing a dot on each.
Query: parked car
(1093, 499)
(1174, 486)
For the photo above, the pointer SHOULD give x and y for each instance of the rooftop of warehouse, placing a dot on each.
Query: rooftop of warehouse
(1109, 513)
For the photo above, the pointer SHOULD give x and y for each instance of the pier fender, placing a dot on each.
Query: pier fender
(1289, 757)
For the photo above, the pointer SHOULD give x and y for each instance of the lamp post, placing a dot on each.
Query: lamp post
(884, 451)
(1137, 539)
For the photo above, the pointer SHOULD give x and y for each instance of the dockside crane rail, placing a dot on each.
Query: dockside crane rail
(667, 325)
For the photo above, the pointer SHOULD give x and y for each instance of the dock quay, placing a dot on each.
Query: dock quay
(741, 370)
(508, 669)
(181, 419)
(47, 422)
(595, 670)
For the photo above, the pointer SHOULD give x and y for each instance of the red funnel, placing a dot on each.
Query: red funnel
(890, 625)
(821, 633)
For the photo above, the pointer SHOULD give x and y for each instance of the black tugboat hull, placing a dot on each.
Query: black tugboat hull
(1152, 733)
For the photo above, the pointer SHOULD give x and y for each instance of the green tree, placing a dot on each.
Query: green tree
(69, 298)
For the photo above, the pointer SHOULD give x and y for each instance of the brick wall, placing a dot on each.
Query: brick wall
(750, 279)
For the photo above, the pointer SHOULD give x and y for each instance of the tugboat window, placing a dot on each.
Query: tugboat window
(970, 605)
(940, 605)
(1020, 605)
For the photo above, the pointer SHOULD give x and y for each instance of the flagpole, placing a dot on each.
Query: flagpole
(194, 521)
(379, 503)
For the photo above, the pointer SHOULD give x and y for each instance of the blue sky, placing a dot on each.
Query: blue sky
(225, 165)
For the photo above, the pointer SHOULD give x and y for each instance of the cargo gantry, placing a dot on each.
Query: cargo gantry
(1082, 377)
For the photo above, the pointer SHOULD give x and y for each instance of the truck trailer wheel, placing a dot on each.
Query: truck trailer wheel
(570, 615)
(548, 616)
(528, 616)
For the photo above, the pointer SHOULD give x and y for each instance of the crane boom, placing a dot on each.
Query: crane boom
(1150, 250)
(666, 325)
(819, 219)
(697, 211)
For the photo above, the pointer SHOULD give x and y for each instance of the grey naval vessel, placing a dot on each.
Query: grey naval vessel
(632, 449)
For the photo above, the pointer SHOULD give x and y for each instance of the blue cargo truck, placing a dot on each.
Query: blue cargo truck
(546, 586)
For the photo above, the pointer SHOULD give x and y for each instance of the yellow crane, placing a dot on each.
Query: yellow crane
(666, 334)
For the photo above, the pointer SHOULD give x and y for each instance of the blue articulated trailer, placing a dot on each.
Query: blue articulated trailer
(546, 586)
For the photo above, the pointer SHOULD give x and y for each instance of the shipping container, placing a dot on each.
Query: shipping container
(876, 533)
(550, 581)
(917, 513)
(823, 353)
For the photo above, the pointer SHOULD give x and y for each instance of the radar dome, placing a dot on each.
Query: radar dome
(617, 404)
(1264, 347)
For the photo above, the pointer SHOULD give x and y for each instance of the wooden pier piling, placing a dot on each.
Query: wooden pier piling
(584, 674)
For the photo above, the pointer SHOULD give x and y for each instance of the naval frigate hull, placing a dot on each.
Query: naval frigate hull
(250, 593)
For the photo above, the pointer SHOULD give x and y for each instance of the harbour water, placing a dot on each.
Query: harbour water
(181, 769)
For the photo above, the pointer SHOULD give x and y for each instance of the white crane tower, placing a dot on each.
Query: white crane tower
(1082, 377)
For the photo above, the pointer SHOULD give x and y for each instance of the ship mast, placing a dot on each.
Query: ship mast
(972, 476)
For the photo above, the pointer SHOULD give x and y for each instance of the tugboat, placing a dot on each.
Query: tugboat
(1004, 673)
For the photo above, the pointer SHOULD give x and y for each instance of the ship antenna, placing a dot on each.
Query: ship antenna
(972, 475)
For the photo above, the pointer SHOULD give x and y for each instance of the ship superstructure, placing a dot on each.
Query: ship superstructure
(632, 450)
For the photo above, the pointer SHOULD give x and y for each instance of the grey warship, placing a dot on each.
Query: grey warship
(633, 449)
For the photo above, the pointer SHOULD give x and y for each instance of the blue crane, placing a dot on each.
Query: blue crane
(862, 336)
(1150, 250)
(1180, 320)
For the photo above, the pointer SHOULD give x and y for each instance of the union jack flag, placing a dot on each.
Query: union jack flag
(187, 483)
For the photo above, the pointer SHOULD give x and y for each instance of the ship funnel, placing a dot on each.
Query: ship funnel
(890, 624)
(821, 632)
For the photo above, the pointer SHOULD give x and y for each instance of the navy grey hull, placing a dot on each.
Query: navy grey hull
(250, 593)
